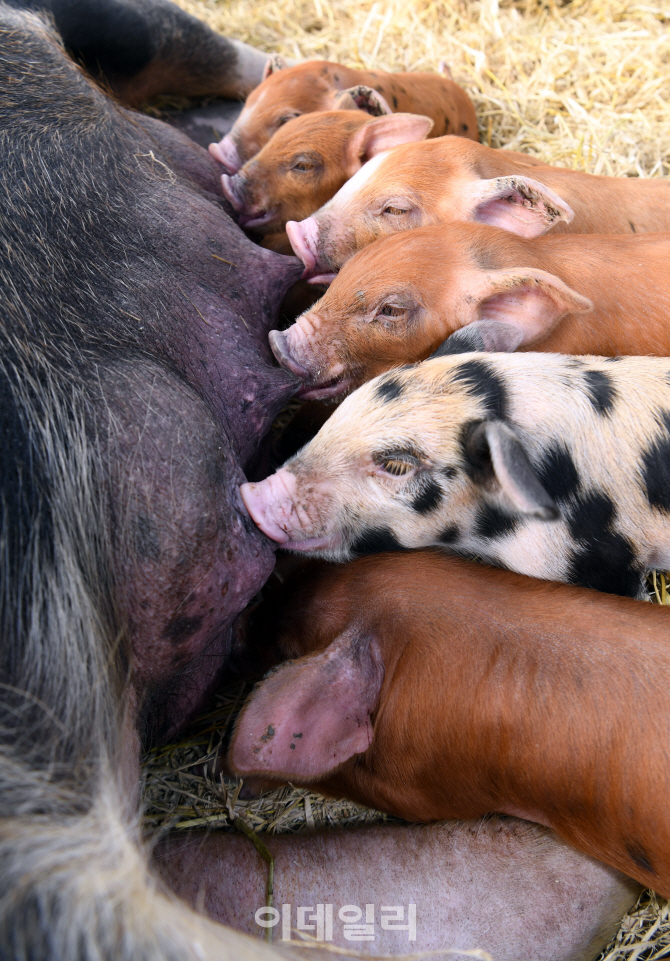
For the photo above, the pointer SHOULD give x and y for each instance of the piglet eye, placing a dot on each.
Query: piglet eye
(395, 211)
(303, 166)
(397, 466)
(392, 310)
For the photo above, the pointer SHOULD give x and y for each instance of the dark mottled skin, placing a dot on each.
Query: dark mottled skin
(154, 309)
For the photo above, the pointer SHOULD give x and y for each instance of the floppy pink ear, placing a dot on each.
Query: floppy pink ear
(518, 204)
(273, 64)
(362, 98)
(533, 301)
(310, 715)
(386, 132)
(514, 308)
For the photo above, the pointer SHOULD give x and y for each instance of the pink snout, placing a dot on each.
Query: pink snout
(272, 506)
(281, 349)
(233, 191)
(304, 237)
(225, 151)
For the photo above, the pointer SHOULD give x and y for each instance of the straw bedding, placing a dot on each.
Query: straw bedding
(584, 85)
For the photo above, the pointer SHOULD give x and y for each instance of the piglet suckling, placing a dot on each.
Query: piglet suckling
(550, 465)
(400, 298)
(448, 179)
(433, 688)
(288, 92)
(307, 161)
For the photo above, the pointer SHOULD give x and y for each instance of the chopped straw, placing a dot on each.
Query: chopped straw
(581, 85)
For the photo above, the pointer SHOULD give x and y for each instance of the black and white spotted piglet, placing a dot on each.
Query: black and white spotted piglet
(553, 466)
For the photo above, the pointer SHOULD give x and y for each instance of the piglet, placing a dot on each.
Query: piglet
(432, 688)
(401, 297)
(448, 179)
(288, 92)
(550, 465)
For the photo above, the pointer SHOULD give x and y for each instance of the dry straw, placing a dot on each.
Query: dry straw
(583, 85)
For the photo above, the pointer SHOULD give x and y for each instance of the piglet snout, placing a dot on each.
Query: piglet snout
(225, 151)
(280, 348)
(233, 190)
(273, 506)
(304, 237)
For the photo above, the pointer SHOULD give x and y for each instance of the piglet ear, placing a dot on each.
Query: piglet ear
(310, 715)
(362, 98)
(499, 463)
(386, 132)
(273, 64)
(533, 301)
(518, 204)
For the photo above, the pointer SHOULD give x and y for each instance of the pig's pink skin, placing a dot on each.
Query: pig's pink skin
(270, 505)
(304, 237)
(273, 508)
(225, 151)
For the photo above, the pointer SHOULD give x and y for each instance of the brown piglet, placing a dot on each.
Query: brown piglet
(451, 179)
(402, 297)
(432, 687)
(288, 92)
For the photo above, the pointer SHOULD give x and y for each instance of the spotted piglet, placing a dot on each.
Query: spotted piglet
(549, 465)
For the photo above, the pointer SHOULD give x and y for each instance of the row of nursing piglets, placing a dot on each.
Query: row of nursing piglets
(531, 462)
(392, 308)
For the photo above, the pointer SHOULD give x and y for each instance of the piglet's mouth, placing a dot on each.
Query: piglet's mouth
(255, 220)
(325, 391)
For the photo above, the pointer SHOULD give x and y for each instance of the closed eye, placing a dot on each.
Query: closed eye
(392, 310)
(399, 464)
(394, 211)
(303, 166)
(397, 467)
(285, 119)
